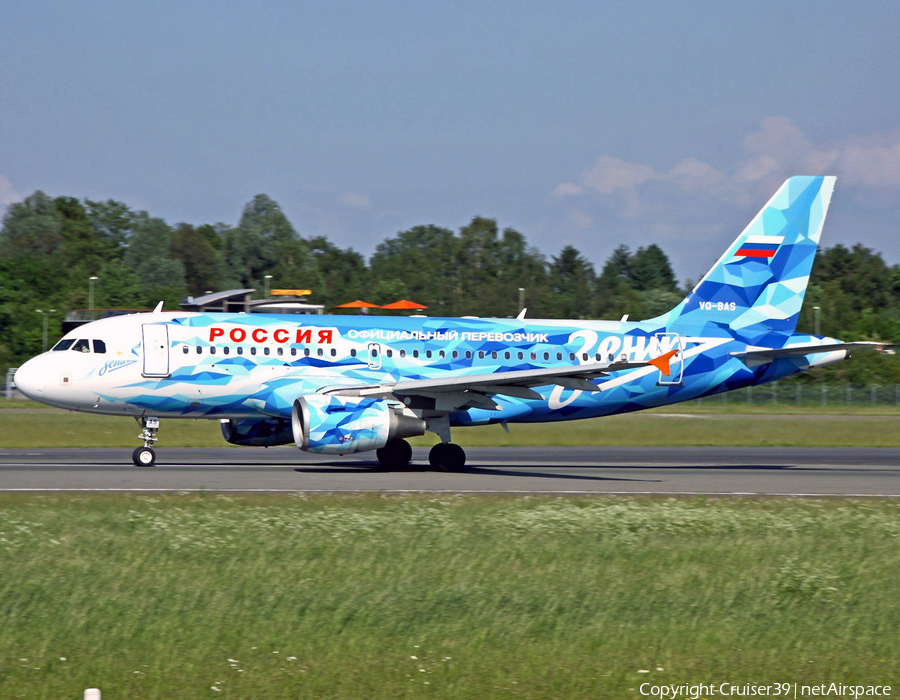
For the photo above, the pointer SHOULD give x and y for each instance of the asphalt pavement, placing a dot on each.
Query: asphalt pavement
(589, 470)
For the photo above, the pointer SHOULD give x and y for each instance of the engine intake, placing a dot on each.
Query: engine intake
(344, 424)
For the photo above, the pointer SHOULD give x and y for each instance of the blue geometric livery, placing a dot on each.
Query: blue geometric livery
(342, 384)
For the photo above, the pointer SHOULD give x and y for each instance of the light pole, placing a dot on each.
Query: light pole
(521, 299)
(91, 281)
(267, 278)
(44, 315)
(816, 309)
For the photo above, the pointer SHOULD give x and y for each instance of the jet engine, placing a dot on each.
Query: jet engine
(343, 424)
(256, 432)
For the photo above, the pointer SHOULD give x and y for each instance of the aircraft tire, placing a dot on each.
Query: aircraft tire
(396, 454)
(447, 456)
(143, 457)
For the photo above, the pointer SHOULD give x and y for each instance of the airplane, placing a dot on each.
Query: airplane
(342, 384)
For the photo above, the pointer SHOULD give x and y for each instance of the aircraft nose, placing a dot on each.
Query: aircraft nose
(29, 379)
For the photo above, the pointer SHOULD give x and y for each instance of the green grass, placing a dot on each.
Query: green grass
(47, 429)
(418, 596)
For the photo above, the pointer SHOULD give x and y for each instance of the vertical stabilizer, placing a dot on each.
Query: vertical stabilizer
(758, 285)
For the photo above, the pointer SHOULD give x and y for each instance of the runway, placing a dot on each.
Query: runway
(744, 471)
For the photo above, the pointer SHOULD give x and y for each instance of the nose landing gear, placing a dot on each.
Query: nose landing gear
(145, 456)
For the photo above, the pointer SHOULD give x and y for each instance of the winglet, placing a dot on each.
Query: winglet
(662, 362)
(158, 308)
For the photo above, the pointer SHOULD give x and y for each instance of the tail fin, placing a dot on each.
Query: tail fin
(758, 285)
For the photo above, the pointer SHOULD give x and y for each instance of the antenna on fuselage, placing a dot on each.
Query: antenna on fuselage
(521, 315)
(158, 308)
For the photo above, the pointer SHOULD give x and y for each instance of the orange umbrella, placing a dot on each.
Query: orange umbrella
(357, 305)
(404, 304)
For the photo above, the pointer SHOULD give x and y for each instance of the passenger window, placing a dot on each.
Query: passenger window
(428, 354)
(293, 352)
(185, 349)
(320, 352)
(240, 350)
(388, 352)
(100, 347)
(280, 351)
(559, 356)
(441, 354)
(546, 355)
(494, 355)
(521, 356)
(403, 353)
(333, 352)
(572, 357)
(584, 356)
(63, 344)
(468, 354)
(226, 350)
(534, 356)
(481, 354)
(265, 351)
(352, 352)
(212, 351)
(199, 350)
(506, 354)
(82, 346)
(455, 354)
(305, 352)
(416, 354)
(252, 351)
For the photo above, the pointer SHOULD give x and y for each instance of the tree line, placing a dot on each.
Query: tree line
(49, 247)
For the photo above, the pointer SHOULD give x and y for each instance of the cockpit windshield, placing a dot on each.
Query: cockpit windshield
(80, 345)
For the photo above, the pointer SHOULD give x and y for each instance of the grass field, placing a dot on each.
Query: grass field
(385, 596)
(39, 428)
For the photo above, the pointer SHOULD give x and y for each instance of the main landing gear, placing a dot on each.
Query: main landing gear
(396, 454)
(447, 456)
(145, 456)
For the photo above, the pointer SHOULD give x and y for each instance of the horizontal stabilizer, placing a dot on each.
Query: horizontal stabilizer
(754, 357)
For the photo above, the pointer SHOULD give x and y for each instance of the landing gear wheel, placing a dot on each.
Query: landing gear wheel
(395, 454)
(447, 456)
(143, 457)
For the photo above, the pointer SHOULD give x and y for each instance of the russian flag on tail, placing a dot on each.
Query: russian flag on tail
(759, 247)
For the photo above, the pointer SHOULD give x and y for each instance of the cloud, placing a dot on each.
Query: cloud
(581, 219)
(355, 201)
(611, 174)
(7, 194)
(568, 189)
(775, 151)
(693, 208)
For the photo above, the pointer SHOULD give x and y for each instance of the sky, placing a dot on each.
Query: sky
(592, 124)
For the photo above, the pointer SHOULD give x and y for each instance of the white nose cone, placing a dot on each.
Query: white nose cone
(29, 379)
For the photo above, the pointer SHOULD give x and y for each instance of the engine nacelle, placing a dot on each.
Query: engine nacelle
(257, 432)
(345, 424)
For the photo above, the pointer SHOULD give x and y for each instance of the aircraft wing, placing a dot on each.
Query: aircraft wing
(754, 356)
(450, 393)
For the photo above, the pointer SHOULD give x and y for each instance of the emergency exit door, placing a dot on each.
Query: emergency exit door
(665, 343)
(156, 349)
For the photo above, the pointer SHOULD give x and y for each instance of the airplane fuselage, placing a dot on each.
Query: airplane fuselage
(255, 366)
